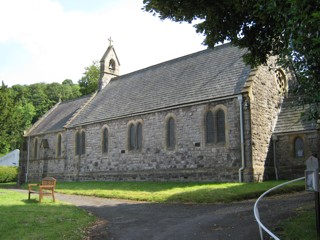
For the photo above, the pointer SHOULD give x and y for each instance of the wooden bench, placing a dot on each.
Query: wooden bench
(46, 187)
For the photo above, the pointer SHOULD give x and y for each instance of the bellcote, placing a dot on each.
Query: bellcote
(109, 66)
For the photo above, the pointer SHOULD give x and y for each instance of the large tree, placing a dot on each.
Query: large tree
(89, 82)
(289, 29)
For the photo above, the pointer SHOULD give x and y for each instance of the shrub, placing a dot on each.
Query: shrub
(8, 174)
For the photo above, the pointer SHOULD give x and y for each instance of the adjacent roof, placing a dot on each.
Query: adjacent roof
(209, 74)
(57, 117)
(292, 119)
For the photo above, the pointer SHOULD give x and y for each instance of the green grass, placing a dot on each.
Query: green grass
(300, 227)
(174, 192)
(27, 219)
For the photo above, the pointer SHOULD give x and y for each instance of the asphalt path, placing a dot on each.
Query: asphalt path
(125, 220)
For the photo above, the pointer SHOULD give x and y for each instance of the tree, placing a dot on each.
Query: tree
(89, 82)
(288, 29)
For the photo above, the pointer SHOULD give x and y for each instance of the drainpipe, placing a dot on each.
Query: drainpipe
(274, 139)
(28, 158)
(241, 139)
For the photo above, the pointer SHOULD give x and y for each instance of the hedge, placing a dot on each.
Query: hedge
(8, 174)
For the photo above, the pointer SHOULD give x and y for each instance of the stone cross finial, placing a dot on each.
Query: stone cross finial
(110, 41)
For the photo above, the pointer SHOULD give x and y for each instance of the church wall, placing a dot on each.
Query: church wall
(191, 159)
(265, 104)
(289, 165)
(46, 163)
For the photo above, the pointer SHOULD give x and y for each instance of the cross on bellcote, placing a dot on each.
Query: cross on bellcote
(110, 41)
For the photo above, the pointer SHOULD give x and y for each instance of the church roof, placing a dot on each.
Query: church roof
(291, 118)
(205, 75)
(57, 117)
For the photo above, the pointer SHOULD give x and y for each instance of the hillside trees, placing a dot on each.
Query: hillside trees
(289, 29)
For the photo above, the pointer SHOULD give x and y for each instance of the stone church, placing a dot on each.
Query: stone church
(206, 116)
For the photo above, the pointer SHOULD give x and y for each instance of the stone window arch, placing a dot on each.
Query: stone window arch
(171, 133)
(80, 142)
(135, 136)
(281, 81)
(215, 125)
(298, 147)
(36, 148)
(209, 126)
(221, 126)
(112, 64)
(105, 140)
(59, 145)
(83, 142)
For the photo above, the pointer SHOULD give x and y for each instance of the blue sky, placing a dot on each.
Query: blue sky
(52, 40)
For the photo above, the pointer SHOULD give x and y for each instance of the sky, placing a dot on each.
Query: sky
(53, 40)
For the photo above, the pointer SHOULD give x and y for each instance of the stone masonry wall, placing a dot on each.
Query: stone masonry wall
(289, 166)
(191, 160)
(265, 104)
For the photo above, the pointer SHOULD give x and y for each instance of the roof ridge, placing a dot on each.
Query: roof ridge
(175, 59)
(79, 110)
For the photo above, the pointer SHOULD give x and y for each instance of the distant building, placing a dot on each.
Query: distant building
(11, 159)
(202, 117)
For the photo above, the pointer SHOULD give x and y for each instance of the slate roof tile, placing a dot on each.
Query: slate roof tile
(291, 119)
(208, 74)
(57, 117)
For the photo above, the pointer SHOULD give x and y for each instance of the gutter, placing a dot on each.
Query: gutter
(274, 139)
(241, 139)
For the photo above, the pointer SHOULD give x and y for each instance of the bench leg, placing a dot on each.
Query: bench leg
(53, 196)
(40, 195)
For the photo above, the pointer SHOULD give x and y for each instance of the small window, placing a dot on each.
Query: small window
(221, 135)
(78, 143)
(281, 81)
(105, 140)
(171, 138)
(139, 136)
(135, 137)
(209, 127)
(298, 147)
(132, 137)
(59, 146)
(83, 142)
(35, 148)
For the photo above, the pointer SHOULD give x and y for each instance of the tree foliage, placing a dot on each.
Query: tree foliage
(289, 29)
(89, 82)
(23, 105)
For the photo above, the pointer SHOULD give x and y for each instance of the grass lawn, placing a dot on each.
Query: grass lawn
(300, 227)
(27, 219)
(174, 192)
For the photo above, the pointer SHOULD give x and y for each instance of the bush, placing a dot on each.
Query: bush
(8, 174)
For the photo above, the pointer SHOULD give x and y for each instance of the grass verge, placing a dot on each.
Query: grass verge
(27, 219)
(300, 227)
(174, 192)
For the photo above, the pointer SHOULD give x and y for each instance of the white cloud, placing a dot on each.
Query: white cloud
(57, 44)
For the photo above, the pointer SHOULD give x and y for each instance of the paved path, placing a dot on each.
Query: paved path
(125, 220)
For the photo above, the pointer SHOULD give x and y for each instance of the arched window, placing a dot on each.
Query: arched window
(298, 147)
(171, 136)
(139, 136)
(209, 127)
(132, 137)
(135, 136)
(36, 148)
(83, 142)
(281, 81)
(221, 135)
(105, 140)
(78, 143)
(112, 64)
(59, 146)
